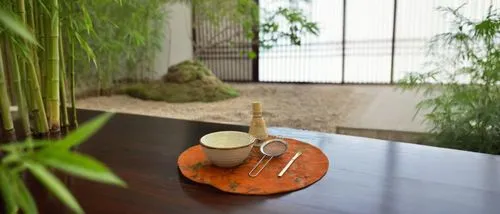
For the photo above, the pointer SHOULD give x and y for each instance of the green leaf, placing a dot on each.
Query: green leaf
(53, 184)
(23, 196)
(19, 146)
(79, 165)
(252, 55)
(84, 132)
(86, 47)
(7, 192)
(14, 25)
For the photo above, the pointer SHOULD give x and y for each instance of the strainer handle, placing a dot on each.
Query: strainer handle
(258, 163)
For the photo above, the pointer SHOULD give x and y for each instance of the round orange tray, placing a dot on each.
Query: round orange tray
(311, 166)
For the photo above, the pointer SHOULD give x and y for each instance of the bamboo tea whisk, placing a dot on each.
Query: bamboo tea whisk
(258, 127)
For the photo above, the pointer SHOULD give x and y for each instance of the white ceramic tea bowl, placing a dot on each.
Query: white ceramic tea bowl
(227, 148)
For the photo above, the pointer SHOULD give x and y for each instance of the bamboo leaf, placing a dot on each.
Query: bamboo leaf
(86, 47)
(23, 196)
(19, 146)
(7, 192)
(53, 184)
(83, 132)
(14, 25)
(14, 156)
(43, 7)
(79, 165)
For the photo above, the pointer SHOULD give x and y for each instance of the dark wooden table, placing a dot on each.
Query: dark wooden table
(365, 175)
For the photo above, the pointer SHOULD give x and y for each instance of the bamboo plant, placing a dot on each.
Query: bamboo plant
(33, 63)
(31, 43)
(463, 106)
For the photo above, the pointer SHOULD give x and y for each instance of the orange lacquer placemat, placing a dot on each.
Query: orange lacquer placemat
(311, 166)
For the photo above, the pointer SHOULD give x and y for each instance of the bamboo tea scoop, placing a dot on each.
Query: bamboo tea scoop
(289, 164)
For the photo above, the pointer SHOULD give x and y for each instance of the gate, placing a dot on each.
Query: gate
(227, 60)
(360, 41)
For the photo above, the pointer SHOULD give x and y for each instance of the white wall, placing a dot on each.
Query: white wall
(177, 46)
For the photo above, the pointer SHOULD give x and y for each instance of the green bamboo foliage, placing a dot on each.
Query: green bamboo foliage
(19, 45)
(463, 106)
(42, 58)
(40, 69)
(130, 34)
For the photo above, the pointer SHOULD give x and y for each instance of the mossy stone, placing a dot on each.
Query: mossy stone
(188, 81)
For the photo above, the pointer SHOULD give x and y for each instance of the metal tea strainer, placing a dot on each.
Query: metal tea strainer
(269, 149)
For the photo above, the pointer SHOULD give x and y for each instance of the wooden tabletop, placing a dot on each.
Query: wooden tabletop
(365, 175)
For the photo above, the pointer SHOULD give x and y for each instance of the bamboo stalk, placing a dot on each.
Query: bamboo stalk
(27, 86)
(44, 23)
(34, 109)
(72, 85)
(71, 41)
(8, 124)
(62, 73)
(21, 8)
(18, 92)
(33, 23)
(31, 80)
(35, 83)
(7, 64)
(53, 70)
(41, 116)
